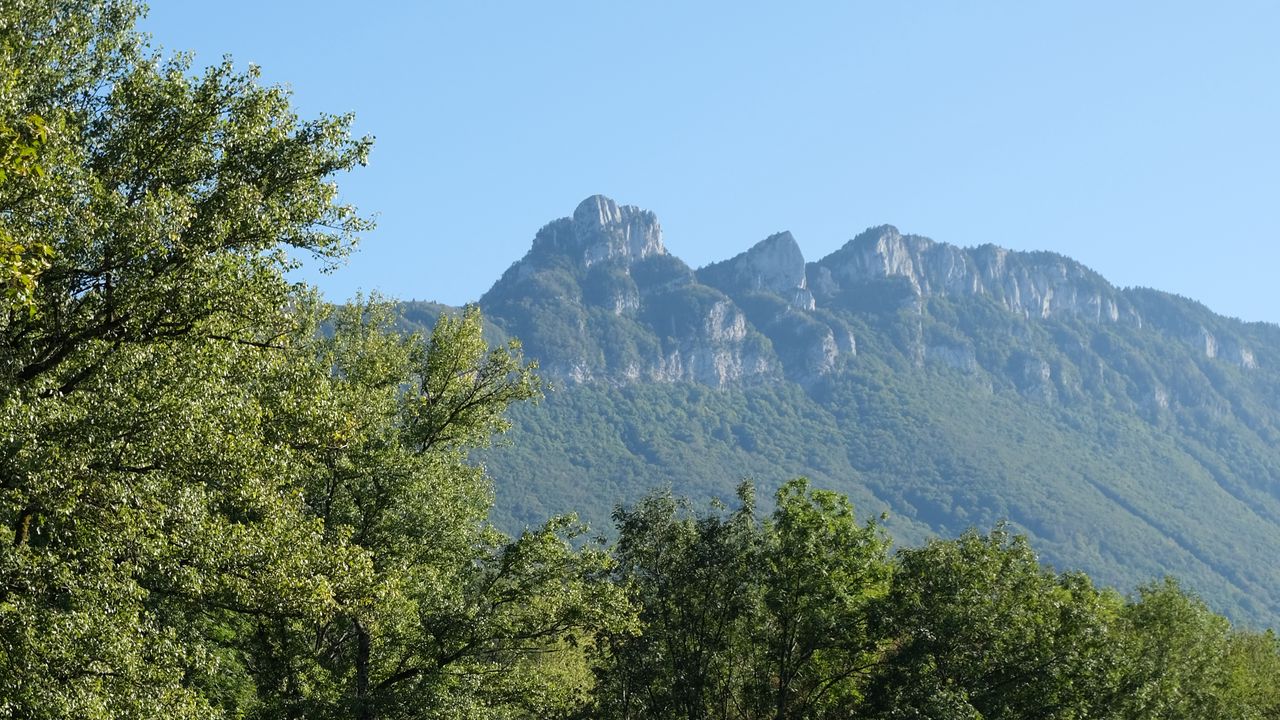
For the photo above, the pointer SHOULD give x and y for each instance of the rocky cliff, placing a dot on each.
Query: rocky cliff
(1035, 284)
(1129, 432)
(599, 299)
(601, 230)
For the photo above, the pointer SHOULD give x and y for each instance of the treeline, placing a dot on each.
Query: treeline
(221, 497)
(807, 615)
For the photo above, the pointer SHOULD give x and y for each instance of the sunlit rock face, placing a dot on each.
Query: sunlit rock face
(601, 230)
(774, 265)
(1034, 284)
(598, 299)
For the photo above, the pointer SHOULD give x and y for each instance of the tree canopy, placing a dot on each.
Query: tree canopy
(218, 493)
(221, 496)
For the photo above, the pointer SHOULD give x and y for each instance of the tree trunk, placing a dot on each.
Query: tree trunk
(364, 704)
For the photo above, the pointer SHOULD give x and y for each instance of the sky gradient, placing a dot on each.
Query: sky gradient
(1142, 140)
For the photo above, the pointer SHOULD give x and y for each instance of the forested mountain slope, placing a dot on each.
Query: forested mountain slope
(222, 497)
(1128, 432)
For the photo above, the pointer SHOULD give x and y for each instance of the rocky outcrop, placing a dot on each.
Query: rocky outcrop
(1212, 336)
(601, 230)
(1227, 349)
(770, 282)
(720, 353)
(598, 299)
(774, 265)
(1039, 284)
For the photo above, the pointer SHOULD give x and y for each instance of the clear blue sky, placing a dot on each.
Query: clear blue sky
(1143, 139)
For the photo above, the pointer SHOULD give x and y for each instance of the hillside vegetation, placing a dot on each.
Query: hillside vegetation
(221, 497)
(1127, 432)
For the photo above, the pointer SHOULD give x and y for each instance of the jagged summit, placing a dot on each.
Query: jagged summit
(1032, 284)
(952, 385)
(600, 299)
(600, 230)
(774, 265)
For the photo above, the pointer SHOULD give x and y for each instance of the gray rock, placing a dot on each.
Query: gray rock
(1036, 284)
(604, 230)
(953, 356)
(774, 265)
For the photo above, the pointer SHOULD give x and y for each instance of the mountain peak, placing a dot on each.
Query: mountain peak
(780, 240)
(601, 229)
(878, 233)
(597, 210)
(774, 264)
(1032, 284)
(833, 365)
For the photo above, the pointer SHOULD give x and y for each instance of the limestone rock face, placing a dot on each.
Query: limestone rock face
(601, 230)
(598, 299)
(770, 282)
(774, 265)
(1034, 285)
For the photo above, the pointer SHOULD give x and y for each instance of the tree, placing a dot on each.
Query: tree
(455, 620)
(20, 143)
(977, 628)
(217, 496)
(695, 580)
(823, 573)
(741, 618)
(134, 474)
(1185, 661)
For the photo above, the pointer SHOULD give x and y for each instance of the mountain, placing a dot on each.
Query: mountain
(1129, 433)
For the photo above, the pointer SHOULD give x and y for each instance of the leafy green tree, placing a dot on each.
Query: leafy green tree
(216, 497)
(823, 571)
(135, 478)
(977, 628)
(457, 621)
(1186, 662)
(744, 619)
(1253, 664)
(21, 141)
(695, 580)
(803, 616)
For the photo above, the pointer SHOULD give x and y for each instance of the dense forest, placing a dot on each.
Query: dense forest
(1127, 432)
(221, 496)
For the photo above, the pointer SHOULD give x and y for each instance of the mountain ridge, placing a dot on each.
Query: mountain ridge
(879, 269)
(1128, 431)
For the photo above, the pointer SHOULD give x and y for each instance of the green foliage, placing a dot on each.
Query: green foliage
(449, 600)
(822, 573)
(805, 616)
(588, 447)
(1098, 474)
(221, 497)
(21, 142)
(143, 489)
(694, 579)
(20, 268)
(661, 270)
(1186, 662)
(741, 618)
(979, 625)
(208, 506)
